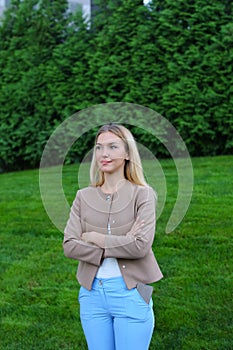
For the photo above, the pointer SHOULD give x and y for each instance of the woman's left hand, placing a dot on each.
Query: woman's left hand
(137, 227)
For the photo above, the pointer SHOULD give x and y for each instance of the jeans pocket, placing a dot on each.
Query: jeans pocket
(135, 306)
(85, 299)
(81, 293)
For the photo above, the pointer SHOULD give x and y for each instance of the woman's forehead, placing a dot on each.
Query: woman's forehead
(108, 137)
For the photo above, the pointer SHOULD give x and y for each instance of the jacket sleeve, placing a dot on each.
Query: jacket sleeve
(135, 246)
(74, 247)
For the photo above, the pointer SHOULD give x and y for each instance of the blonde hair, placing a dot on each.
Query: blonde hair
(133, 167)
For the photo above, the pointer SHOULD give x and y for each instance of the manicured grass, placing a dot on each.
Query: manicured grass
(193, 303)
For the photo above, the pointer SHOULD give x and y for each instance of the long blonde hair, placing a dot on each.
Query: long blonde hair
(133, 167)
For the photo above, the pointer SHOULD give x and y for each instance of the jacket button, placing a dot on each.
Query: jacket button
(123, 266)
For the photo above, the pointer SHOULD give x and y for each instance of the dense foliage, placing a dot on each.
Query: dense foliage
(172, 56)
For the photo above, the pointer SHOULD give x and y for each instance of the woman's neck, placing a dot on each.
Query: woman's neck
(112, 184)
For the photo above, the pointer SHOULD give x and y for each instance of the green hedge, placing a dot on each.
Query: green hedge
(172, 56)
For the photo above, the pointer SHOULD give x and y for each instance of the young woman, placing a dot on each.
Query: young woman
(110, 231)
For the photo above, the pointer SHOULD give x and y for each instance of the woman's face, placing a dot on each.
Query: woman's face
(110, 153)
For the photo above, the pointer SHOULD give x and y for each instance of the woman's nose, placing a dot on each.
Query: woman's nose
(105, 152)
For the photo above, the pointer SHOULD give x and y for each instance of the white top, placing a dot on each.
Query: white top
(109, 268)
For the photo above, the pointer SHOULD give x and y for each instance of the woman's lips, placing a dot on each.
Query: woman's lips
(106, 162)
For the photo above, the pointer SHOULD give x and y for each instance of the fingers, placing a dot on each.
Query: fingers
(137, 226)
(139, 222)
(84, 237)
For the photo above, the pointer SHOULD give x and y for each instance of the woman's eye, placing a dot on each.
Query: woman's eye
(113, 147)
(97, 147)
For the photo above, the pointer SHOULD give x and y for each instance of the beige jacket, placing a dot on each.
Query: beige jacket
(91, 211)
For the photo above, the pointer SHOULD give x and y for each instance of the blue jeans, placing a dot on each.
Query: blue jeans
(115, 318)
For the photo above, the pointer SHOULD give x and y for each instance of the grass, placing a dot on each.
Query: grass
(193, 303)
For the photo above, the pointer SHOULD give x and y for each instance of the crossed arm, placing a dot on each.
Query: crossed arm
(93, 246)
(99, 238)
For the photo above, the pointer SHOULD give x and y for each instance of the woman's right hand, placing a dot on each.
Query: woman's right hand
(94, 238)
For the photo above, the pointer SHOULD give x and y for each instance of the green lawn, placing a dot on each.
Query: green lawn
(193, 303)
